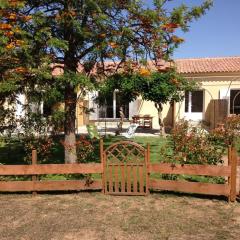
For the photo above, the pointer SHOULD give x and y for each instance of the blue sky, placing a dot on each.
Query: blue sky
(215, 34)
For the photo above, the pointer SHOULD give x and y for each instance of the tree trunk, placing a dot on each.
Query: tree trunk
(69, 125)
(70, 96)
(120, 124)
(159, 108)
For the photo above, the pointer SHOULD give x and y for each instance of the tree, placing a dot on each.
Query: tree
(80, 36)
(155, 86)
(162, 88)
(13, 70)
(125, 84)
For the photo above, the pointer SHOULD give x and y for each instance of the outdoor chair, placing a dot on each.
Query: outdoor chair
(130, 131)
(93, 132)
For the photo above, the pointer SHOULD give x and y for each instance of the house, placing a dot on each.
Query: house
(218, 96)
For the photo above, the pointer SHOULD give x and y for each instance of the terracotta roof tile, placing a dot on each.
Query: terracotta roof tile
(208, 65)
(190, 65)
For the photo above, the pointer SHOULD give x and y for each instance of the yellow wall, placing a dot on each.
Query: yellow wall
(148, 107)
(211, 84)
(81, 117)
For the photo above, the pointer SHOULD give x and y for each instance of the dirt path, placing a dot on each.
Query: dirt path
(93, 216)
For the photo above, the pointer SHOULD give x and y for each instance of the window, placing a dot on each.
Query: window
(194, 101)
(235, 101)
(112, 106)
(125, 107)
(47, 109)
(106, 111)
(186, 101)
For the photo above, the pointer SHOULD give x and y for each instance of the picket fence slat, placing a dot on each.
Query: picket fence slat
(123, 187)
(110, 171)
(61, 185)
(41, 169)
(34, 162)
(141, 180)
(116, 172)
(191, 187)
(208, 170)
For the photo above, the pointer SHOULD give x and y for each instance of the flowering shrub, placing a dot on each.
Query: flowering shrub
(225, 134)
(192, 145)
(85, 149)
(42, 144)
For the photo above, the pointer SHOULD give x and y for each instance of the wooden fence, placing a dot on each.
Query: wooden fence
(35, 185)
(42, 169)
(228, 189)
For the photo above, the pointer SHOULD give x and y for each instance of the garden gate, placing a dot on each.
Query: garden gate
(125, 168)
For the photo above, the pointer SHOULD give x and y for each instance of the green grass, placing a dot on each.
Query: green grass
(12, 152)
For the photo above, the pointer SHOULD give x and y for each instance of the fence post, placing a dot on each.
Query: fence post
(238, 178)
(233, 177)
(34, 162)
(147, 167)
(229, 164)
(103, 165)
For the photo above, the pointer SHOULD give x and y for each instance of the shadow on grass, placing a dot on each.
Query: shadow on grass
(189, 195)
(12, 152)
(155, 194)
(60, 192)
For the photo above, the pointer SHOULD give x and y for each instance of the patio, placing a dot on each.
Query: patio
(111, 130)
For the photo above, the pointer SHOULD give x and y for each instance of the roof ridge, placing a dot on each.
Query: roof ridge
(207, 65)
(206, 58)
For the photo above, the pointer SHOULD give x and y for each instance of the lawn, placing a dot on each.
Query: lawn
(12, 152)
(94, 216)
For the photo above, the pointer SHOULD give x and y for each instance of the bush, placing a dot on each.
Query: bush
(86, 152)
(192, 145)
(57, 121)
(43, 145)
(227, 133)
(33, 134)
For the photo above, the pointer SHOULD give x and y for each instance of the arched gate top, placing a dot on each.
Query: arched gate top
(125, 151)
(136, 145)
